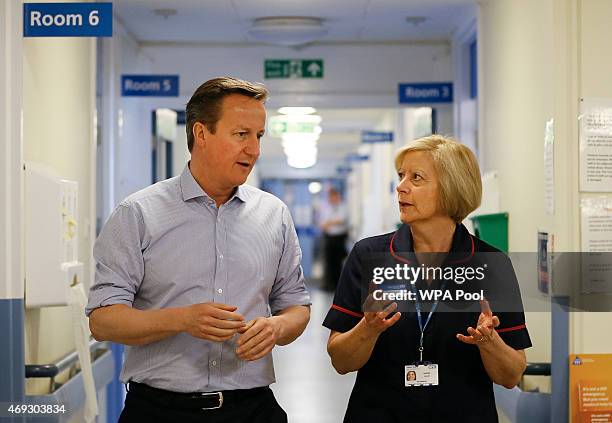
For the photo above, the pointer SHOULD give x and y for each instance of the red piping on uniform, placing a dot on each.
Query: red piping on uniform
(344, 310)
(396, 257)
(511, 329)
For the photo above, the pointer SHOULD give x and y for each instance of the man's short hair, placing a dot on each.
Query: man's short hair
(458, 173)
(205, 104)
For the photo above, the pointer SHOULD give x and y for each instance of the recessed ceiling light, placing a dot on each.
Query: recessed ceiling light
(416, 20)
(287, 30)
(288, 110)
(165, 13)
(315, 187)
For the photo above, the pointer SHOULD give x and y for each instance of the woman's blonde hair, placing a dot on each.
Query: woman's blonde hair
(458, 173)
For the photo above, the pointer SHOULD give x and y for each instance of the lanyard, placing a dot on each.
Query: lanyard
(416, 298)
(422, 326)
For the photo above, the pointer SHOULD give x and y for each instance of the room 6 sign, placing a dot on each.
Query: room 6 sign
(67, 20)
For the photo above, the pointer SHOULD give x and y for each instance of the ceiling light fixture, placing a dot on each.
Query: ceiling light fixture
(296, 110)
(315, 187)
(164, 13)
(287, 30)
(416, 20)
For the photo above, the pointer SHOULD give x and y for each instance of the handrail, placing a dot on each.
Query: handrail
(53, 369)
(537, 369)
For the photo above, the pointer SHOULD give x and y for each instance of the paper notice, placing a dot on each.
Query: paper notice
(596, 145)
(596, 228)
(549, 168)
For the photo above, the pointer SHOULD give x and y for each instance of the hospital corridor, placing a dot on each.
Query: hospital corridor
(322, 211)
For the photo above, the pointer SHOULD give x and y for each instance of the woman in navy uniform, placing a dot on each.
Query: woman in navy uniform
(456, 352)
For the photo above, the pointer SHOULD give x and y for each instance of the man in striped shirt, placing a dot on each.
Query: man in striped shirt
(200, 275)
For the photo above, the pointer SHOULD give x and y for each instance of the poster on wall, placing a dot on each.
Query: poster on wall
(595, 145)
(545, 248)
(596, 224)
(591, 388)
(549, 167)
(596, 230)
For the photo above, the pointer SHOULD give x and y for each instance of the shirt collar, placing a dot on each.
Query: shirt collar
(462, 240)
(191, 189)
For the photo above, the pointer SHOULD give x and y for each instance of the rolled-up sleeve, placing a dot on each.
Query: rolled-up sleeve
(289, 287)
(118, 259)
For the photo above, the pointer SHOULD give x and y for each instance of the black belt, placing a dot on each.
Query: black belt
(193, 400)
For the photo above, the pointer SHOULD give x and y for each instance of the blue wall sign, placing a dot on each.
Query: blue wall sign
(67, 19)
(149, 85)
(344, 169)
(418, 93)
(375, 136)
(356, 157)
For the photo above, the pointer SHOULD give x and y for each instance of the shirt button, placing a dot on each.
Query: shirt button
(214, 362)
(221, 256)
(220, 291)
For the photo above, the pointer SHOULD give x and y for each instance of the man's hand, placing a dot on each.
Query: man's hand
(258, 339)
(213, 321)
(485, 328)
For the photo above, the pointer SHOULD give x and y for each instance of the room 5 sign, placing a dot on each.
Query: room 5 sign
(149, 85)
(67, 19)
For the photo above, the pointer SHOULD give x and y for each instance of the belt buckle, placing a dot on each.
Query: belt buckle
(219, 394)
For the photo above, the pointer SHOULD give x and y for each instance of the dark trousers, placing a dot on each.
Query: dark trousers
(334, 253)
(259, 407)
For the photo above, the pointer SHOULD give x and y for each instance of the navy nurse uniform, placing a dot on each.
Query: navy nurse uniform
(465, 391)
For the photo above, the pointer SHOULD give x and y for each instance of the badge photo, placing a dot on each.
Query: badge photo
(421, 375)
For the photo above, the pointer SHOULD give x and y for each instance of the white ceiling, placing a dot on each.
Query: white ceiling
(227, 21)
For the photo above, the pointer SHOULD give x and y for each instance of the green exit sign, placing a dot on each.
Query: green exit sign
(293, 68)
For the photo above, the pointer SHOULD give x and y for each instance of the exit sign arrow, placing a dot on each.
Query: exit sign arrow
(313, 69)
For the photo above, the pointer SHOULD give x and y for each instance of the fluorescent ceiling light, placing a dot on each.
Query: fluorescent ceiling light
(287, 31)
(297, 137)
(296, 110)
(315, 187)
(299, 118)
(291, 142)
(301, 162)
(297, 151)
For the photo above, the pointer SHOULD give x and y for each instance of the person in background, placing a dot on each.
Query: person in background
(200, 275)
(334, 225)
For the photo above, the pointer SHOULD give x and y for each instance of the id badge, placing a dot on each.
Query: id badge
(421, 375)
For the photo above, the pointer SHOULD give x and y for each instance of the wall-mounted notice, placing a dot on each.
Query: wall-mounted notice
(549, 167)
(596, 145)
(596, 228)
(591, 388)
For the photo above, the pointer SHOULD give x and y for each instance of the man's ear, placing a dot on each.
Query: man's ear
(200, 134)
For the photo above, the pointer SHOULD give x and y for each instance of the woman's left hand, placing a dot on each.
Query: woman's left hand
(485, 328)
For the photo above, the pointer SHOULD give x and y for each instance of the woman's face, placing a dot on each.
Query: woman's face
(411, 376)
(418, 189)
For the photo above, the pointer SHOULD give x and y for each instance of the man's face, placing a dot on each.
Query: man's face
(334, 198)
(229, 154)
